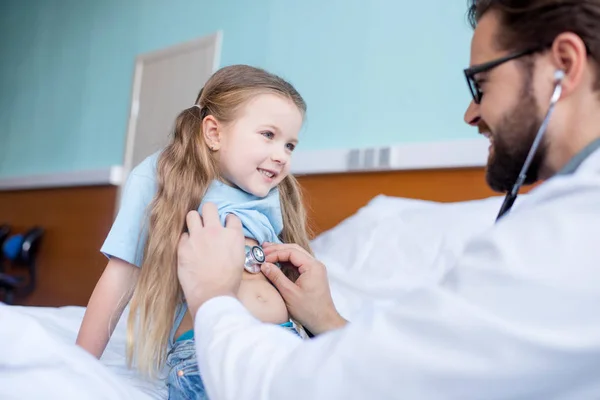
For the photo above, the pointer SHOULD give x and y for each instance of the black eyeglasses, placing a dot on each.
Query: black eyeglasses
(478, 69)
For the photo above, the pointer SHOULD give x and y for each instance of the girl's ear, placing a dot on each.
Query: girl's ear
(211, 132)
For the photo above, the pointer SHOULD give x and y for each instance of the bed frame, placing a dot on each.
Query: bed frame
(77, 219)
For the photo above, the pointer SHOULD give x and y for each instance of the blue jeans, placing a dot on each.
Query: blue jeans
(184, 381)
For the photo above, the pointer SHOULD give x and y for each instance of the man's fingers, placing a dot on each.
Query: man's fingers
(274, 256)
(291, 255)
(210, 215)
(271, 248)
(233, 222)
(193, 221)
(184, 237)
(281, 282)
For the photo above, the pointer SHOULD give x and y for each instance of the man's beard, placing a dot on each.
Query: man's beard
(512, 140)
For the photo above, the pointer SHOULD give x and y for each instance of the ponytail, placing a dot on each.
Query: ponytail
(184, 171)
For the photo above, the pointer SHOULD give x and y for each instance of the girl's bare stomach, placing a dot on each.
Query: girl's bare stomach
(259, 297)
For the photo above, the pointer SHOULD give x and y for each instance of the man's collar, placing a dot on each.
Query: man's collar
(579, 158)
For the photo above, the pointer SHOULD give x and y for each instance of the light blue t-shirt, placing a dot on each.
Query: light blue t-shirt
(127, 236)
(261, 217)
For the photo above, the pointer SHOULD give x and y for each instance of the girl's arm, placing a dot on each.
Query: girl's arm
(123, 246)
(111, 294)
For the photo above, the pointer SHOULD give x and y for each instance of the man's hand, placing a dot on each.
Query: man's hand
(210, 257)
(309, 298)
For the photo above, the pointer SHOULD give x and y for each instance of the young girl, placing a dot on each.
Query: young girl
(232, 147)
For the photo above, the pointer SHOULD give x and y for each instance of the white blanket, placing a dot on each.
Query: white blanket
(39, 359)
(389, 245)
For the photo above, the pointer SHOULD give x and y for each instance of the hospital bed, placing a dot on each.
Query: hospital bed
(395, 240)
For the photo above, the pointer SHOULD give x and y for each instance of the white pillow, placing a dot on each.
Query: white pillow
(394, 223)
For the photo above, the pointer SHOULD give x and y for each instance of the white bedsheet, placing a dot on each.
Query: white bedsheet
(39, 360)
(389, 245)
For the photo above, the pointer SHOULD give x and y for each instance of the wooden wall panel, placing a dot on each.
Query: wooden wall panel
(332, 198)
(76, 221)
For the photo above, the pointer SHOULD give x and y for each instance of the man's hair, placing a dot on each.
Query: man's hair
(530, 24)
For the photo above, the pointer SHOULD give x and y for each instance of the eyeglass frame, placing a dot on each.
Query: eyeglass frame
(480, 68)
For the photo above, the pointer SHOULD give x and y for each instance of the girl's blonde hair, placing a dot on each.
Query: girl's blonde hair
(185, 169)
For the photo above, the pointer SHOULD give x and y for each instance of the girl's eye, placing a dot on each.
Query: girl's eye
(291, 146)
(268, 134)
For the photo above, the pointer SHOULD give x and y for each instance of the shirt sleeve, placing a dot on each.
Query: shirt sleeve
(516, 318)
(127, 236)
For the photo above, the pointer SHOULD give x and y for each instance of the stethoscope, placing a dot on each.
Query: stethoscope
(512, 195)
(255, 257)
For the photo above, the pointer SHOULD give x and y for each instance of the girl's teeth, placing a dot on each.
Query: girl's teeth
(267, 174)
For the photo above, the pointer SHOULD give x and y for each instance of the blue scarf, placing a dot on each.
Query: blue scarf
(261, 216)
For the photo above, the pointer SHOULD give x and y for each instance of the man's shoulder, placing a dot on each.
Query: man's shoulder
(561, 192)
(556, 222)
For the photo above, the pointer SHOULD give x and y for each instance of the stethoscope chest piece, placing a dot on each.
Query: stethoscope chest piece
(255, 256)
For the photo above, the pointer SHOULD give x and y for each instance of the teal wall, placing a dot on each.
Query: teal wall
(373, 72)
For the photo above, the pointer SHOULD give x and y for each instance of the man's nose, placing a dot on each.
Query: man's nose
(472, 116)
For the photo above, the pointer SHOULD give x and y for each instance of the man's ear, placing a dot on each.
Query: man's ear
(212, 132)
(569, 54)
